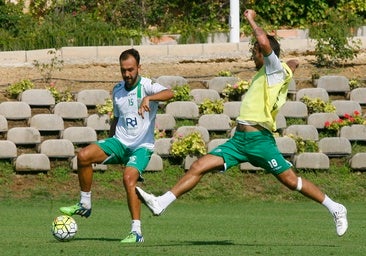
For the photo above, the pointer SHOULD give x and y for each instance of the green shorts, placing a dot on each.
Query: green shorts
(258, 148)
(120, 154)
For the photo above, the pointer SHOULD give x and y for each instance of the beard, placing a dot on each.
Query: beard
(130, 81)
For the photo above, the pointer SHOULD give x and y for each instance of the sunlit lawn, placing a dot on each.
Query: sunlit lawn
(200, 228)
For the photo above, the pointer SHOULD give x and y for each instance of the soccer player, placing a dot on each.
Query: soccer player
(131, 142)
(253, 140)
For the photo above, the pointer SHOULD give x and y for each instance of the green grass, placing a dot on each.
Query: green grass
(194, 228)
(226, 214)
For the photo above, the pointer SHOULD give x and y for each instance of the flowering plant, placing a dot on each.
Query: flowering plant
(60, 96)
(191, 144)
(235, 90)
(159, 134)
(347, 120)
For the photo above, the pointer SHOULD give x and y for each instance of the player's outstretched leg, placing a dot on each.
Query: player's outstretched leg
(78, 209)
(150, 201)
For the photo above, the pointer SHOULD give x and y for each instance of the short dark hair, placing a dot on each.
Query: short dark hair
(130, 52)
(275, 45)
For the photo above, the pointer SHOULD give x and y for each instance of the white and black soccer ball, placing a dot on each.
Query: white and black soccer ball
(64, 228)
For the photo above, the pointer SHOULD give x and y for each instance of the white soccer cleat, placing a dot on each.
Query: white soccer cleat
(150, 201)
(340, 219)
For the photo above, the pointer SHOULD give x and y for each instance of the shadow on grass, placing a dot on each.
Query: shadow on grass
(231, 243)
(97, 239)
(200, 243)
(185, 243)
(217, 242)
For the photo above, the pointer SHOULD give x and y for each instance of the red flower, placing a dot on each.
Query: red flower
(356, 113)
(327, 124)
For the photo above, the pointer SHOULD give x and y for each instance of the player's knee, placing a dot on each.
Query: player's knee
(82, 158)
(130, 176)
(197, 167)
(295, 184)
(299, 184)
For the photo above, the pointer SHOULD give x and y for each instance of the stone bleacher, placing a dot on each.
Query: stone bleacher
(47, 138)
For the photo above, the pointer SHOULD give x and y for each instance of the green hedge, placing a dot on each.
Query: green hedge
(85, 23)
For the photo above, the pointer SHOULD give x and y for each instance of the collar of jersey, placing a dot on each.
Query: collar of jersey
(136, 85)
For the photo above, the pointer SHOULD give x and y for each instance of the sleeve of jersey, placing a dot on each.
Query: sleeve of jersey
(272, 64)
(115, 109)
(154, 88)
(274, 70)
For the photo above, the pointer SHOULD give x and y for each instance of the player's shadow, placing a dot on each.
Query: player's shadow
(97, 239)
(196, 243)
(217, 242)
(230, 243)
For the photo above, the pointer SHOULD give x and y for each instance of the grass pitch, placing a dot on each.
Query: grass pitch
(199, 228)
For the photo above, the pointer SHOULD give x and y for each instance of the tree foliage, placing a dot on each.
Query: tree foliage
(334, 38)
(60, 23)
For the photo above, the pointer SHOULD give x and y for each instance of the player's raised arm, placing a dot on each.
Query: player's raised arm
(258, 32)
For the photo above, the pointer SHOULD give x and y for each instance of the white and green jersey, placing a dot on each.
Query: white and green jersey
(132, 130)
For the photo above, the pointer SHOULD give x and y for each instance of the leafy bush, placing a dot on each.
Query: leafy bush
(225, 73)
(354, 83)
(182, 93)
(191, 144)
(10, 16)
(305, 145)
(211, 107)
(317, 105)
(334, 38)
(293, 13)
(193, 35)
(15, 89)
(55, 24)
(106, 108)
(235, 91)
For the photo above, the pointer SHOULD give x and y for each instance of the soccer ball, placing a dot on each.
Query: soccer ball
(64, 228)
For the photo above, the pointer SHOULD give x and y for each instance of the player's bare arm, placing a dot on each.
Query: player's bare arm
(161, 96)
(259, 33)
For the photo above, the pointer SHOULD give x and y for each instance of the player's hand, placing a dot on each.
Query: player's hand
(250, 14)
(293, 64)
(144, 106)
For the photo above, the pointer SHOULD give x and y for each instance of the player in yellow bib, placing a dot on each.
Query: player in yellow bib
(131, 142)
(253, 140)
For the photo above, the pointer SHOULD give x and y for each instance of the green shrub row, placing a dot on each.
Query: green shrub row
(55, 24)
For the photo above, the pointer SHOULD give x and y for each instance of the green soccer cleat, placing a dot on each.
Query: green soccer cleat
(133, 237)
(78, 209)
